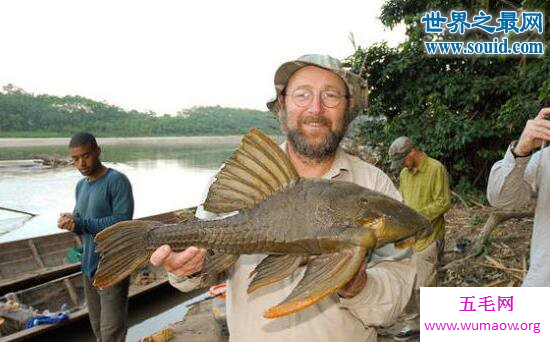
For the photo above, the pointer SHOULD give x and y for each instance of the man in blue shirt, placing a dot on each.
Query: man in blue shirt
(103, 198)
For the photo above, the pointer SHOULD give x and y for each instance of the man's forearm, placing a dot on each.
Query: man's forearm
(385, 294)
(436, 208)
(506, 187)
(95, 225)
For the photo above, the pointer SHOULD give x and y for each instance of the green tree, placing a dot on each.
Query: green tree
(463, 111)
(26, 114)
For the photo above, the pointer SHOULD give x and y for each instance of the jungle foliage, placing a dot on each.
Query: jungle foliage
(27, 115)
(463, 111)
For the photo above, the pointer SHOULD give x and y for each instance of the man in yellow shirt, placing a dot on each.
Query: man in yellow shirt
(424, 185)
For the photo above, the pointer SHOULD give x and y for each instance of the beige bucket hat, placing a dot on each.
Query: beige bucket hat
(399, 149)
(357, 87)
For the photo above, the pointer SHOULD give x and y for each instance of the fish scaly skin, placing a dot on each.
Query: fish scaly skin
(307, 219)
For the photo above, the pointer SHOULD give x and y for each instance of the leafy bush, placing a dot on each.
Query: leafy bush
(461, 111)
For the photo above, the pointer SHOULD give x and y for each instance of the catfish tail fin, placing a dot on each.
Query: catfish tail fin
(123, 250)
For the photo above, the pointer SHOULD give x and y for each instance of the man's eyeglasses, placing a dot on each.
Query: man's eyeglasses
(304, 97)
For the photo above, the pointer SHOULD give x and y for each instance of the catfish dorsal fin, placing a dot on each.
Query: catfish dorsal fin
(255, 170)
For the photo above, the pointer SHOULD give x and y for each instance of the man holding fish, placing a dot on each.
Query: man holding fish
(316, 99)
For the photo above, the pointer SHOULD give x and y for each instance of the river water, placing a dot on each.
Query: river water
(165, 176)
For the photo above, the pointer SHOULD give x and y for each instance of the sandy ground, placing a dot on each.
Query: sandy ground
(26, 142)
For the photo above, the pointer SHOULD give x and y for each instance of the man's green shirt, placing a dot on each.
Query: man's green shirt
(427, 190)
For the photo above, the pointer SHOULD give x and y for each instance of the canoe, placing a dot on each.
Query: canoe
(29, 262)
(62, 294)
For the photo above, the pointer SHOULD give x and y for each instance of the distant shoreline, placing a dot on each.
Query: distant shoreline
(29, 142)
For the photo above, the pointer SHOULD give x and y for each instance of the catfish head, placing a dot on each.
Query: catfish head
(389, 219)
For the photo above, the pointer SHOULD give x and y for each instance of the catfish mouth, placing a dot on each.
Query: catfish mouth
(405, 242)
(405, 239)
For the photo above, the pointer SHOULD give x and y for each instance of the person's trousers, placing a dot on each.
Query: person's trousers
(108, 310)
(426, 276)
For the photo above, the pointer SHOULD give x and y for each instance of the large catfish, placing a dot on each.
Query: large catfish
(279, 214)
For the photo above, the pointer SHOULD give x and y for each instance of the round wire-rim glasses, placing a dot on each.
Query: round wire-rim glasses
(303, 97)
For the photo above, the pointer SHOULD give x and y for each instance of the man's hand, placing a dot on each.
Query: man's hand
(356, 284)
(184, 263)
(534, 133)
(66, 221)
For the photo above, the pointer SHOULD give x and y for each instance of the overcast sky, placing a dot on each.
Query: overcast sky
(168, 55)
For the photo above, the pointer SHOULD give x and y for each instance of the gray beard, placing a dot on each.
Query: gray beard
(318, 152)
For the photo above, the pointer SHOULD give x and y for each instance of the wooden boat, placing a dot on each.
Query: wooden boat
(66, 293)
(62, 294)
(29, 262)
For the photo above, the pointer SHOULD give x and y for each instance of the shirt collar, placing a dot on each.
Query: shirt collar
(341, 164)
(421, 165)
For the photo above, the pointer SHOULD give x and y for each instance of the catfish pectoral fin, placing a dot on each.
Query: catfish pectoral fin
(274, 268)
(324, 275)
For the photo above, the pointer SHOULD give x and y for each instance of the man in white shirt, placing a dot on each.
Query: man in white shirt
(316, 99)
(522, 178)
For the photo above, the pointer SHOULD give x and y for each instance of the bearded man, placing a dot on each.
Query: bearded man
(316, 99)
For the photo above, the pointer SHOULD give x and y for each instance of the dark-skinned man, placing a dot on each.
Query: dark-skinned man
(103, 198)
